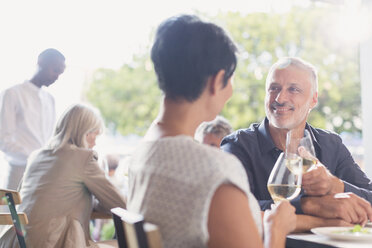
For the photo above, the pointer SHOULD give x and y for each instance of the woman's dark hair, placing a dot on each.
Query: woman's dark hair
(186, 52)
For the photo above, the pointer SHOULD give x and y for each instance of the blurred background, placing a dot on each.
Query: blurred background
(107, 44)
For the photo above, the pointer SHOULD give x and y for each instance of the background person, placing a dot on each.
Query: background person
(110, 164)
(212, 132)
(27, 115)
(59, 183)
(198, 196)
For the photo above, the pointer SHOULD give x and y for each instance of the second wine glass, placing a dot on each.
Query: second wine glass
(300, 148)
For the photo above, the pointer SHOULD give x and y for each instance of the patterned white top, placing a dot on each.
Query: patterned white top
(172, 182)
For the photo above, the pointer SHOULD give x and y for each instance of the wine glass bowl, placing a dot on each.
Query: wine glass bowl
(300, 147)
(294, 163)
(284, 183)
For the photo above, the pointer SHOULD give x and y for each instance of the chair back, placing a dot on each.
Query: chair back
(11, 198)
(133, 232)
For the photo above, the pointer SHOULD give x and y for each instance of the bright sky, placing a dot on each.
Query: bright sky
(92, 34)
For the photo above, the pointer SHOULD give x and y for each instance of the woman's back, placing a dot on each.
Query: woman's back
(55, 178)
(172, 181)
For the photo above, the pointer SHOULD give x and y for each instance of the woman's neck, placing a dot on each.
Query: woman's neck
(176, 117)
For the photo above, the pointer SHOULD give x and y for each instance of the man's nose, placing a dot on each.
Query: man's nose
(281, 97)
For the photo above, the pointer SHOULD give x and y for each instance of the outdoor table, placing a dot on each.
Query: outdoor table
(310, 240)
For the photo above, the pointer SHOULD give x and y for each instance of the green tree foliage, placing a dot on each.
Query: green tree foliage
(263, 38)
(129, 98)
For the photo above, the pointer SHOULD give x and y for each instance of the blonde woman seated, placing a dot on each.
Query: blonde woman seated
(199, 196)
(59, 184)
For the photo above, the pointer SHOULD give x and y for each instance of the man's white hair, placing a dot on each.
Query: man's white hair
(219, 127)
(285, 62)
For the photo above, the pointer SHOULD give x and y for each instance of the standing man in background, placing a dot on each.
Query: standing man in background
(27, 115)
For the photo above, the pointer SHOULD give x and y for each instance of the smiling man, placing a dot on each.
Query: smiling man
(336, 187)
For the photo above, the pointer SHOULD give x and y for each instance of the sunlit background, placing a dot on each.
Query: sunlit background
(100, 38)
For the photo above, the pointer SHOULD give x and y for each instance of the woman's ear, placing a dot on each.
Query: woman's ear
(215, 82)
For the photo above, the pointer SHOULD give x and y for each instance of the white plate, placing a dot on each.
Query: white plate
(341, 233)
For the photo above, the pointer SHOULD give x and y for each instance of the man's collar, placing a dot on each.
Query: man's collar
(264, 138)
(311, 131)
(31, 86)
(266, 142)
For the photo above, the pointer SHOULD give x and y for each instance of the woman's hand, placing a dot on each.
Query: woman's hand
(278, 222)
(281, 216)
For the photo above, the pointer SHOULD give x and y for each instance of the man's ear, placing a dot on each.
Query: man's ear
(215, 82)
(314, 100)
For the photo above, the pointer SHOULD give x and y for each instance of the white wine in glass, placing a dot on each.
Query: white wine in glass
(280, 192)
(283, 183)
(300, 147)
(294, 163)
(307, 164)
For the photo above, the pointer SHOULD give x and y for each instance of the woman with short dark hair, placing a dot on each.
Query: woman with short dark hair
(199, 196)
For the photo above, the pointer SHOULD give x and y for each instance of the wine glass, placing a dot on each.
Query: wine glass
(283, 183)
(300, 147)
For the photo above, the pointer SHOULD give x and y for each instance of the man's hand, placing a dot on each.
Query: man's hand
(306, 222)
(319, 181)
(346, 206)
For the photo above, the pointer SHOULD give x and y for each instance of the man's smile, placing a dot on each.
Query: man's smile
(278, 109)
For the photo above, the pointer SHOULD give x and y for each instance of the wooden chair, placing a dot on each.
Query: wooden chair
(133, 232)
(12, 198)
(106, 243)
